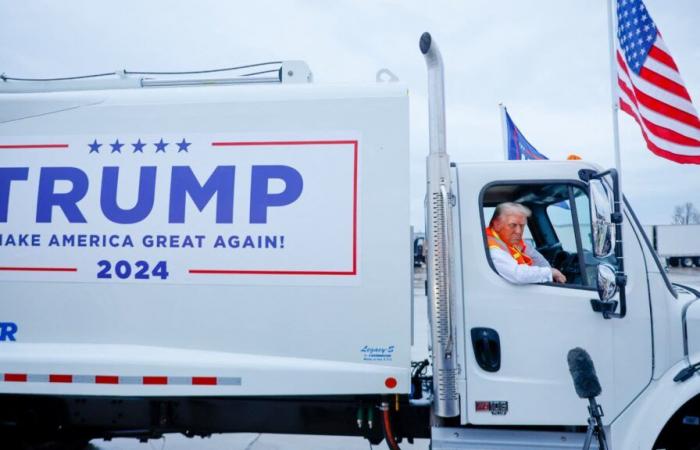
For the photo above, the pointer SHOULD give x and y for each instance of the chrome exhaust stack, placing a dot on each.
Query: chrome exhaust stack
(439, 237)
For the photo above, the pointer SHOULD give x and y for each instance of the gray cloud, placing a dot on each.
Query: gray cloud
(546, 60)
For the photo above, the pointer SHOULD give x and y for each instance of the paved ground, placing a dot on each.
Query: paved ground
(246, 441)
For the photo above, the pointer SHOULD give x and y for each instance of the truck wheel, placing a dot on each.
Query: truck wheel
(696, 260)
(673, 262)
(687, 261)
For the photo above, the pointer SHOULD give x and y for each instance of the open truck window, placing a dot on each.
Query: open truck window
(559, 227)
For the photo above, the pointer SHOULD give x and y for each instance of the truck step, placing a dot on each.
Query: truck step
(492, 439)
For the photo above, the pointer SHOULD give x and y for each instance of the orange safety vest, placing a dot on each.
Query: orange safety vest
(495, 241)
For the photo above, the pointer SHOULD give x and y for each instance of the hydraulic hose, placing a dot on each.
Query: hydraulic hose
(388, 433)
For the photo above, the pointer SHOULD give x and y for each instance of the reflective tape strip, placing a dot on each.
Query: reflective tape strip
(15, 377)
(129, 380)
(84, 379)
(149, 380)
(155, 380)
(60, 378)
(106, 379)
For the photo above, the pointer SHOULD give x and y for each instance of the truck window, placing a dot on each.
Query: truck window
(560, 216)
(572, 226)
(559, 227)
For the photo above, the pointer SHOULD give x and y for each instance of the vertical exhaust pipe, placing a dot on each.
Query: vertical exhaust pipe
(439, 237)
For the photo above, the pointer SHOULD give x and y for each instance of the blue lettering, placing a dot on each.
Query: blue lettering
(261, 199)
(221, 183)
(66, 201)
(7, 176)
(7, 331)
(144, 203)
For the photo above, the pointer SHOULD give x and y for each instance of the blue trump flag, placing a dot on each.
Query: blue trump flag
(518, 146)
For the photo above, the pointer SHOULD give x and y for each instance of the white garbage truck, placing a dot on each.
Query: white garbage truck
(234, 255)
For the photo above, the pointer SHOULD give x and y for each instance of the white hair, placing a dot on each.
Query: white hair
(508, 208)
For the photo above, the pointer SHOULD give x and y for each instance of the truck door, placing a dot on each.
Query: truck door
(530, 328)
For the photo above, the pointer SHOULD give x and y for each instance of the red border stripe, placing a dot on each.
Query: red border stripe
(16, 377)
(31, 146)
(155, 380)
(353, 271)
(38, 269)
(262, 143)
(266, 272)
(354, 213)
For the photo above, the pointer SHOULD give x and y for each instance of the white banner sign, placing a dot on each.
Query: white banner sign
(177, 209)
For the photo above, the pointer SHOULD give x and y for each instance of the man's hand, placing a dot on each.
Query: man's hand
(557, 276)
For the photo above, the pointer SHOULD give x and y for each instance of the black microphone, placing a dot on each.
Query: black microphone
(583, 373)
(587, 386)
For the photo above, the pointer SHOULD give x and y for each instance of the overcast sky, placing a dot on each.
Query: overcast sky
(547, 60)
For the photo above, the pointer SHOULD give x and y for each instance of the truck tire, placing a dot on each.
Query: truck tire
(673, 262)
(687, 261)
(696, 260)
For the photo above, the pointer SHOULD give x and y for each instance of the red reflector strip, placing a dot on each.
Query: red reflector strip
(121, 380)
(31, 146)
(155, 380)
(38, 269)
(206, 381)
(106, 379)
(17, 377)
(60, 378)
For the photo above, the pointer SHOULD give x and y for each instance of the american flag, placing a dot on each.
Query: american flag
(651, 89)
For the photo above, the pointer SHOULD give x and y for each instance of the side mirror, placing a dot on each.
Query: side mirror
(601, 217)
(607, 284)
(607, 287)
(606, 219)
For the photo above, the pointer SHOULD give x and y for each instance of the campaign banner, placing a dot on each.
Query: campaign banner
(177, 208)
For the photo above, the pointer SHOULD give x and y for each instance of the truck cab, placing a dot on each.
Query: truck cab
(512, 387)
(516, 336)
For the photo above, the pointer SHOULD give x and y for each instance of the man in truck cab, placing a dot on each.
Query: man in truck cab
(514, 260)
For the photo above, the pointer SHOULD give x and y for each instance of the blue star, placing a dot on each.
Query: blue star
(160, 146)
(138, 146)
(183, 145)
(94, 147)
(116, 147)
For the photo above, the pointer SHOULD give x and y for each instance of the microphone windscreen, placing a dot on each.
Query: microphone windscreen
(583, 373)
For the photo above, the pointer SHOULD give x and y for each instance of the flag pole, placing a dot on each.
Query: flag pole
(504, 130)
(613, 94)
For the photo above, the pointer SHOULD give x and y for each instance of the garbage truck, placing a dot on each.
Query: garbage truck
(199, 256)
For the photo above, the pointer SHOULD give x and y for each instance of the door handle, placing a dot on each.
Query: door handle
(487, 348)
